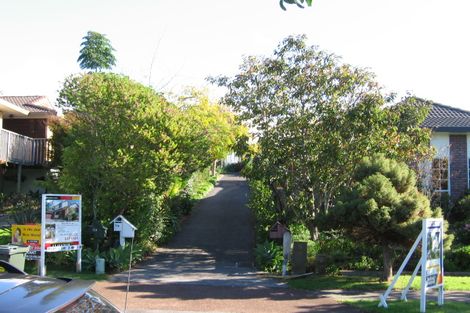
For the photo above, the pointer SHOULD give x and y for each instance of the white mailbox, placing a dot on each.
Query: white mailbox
(124, 227)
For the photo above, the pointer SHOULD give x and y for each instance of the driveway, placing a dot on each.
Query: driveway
(208, 266)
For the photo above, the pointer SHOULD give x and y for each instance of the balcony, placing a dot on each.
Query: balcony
(19, 149)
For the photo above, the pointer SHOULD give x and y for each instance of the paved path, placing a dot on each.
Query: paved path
(208, 267)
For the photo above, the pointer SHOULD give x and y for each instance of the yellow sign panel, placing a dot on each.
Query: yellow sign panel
(29, 235)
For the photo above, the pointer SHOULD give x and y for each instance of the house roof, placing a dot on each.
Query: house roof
(32, 104)
(443, 118)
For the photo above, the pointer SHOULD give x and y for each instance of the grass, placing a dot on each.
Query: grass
(74, 275)
(65, 273)
(412, 306)
(371, 283)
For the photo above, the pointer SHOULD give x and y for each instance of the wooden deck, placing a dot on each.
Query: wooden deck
(19, 149)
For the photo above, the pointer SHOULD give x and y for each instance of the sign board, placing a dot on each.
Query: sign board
(432, 259)
(29, 235)
(431, 263)
(61, 227)
(61, 222)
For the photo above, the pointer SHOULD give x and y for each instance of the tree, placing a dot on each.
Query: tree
(383, 207)
(207, 131)
(315, 118)
(296, 2)
(96, 52)
(121, 155)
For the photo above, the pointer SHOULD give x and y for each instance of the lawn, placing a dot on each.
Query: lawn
(461, 283)
(412, 306)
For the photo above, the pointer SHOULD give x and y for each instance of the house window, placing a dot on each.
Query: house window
(440, 175)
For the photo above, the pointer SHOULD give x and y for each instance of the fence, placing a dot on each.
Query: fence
(19, 149)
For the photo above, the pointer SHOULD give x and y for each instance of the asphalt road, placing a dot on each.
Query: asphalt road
(208, 267)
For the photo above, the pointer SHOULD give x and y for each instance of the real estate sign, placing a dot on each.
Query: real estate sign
(61, 222)
(29, 235)
(432, 259)
(431, 263)
(61, 228)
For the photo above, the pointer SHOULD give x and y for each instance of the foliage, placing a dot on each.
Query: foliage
(233, 167)
(458, 259)
(383, 207)
(24, 208)
(315, 118)
(96, 52)
(206, 130)
(268, 257)
(261, 204)
(120, 154)
(117, 259)
(298, 3)
(5, 236)
(461, 231)
(460, 211)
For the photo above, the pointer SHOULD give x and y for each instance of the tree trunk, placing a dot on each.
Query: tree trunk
(388, 263)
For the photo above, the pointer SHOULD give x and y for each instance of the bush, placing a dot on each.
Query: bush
(268, 257)
(5, 236)
(24, 208)
(262, 205)
(460, 211)
(458, 259)
(233, 168)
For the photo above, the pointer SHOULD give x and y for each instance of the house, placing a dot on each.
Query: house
(24, 141)
(451, 138)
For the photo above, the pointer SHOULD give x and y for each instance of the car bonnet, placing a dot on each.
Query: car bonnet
(25, 293)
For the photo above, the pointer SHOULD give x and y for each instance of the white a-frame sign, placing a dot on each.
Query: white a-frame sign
(431, 263)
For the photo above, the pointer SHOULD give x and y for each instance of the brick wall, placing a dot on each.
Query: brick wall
(458, 165)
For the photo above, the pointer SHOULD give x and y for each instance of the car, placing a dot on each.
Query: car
(20, 292)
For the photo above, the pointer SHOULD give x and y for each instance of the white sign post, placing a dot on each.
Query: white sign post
(431, 263)
(61, 227)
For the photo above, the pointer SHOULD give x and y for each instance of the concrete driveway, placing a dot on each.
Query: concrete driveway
(208, 266)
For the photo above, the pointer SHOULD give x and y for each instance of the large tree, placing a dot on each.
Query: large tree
(96, 52)
(383, 207)
(315, 118)
(120, 153)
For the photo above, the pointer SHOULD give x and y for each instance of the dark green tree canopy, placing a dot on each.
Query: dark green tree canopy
(96, 52)
(383, 207)
(299, 3)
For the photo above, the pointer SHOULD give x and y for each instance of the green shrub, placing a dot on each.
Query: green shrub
(262, 205)
(89, 259)
(233, 168)
(5, 236)
(365, 263)
(458, 259)
(117, 259)
(268, 257)
(24, 208)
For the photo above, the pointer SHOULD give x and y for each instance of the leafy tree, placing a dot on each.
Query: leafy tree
(383, 207)
(207, 131)
(315, 118)
(120, 154)
(96, 52)
(299, 3)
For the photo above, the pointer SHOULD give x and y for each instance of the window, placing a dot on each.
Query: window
(440, 175)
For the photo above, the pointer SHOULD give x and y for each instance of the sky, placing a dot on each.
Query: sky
(416, 46)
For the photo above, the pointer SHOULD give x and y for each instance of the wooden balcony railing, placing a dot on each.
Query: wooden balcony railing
(19, 149)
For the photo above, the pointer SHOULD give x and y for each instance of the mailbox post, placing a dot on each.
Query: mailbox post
(124, 227)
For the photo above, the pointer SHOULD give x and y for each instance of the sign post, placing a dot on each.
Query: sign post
(431, 263)
(61, 228)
